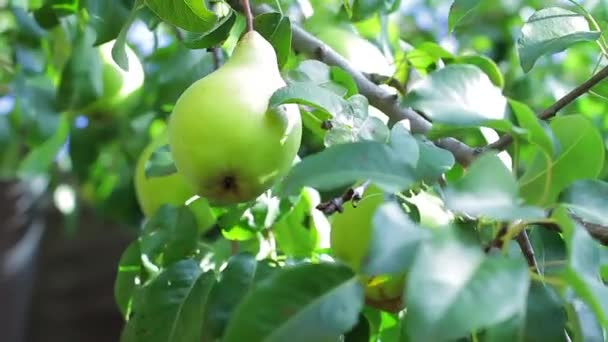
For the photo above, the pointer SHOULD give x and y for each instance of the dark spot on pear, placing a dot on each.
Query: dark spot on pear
(229, 183)
(306, 221)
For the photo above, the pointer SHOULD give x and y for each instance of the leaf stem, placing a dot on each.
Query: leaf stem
(248, 14)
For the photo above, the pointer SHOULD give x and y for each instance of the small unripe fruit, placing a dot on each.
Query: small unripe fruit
(153, 192)
(351, 230)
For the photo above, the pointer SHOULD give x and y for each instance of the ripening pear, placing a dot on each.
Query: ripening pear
(362, 54)
(153, 192)
(351, 230)
(224, 139)
(121, 88)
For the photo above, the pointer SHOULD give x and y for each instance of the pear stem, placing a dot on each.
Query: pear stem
(248, 14)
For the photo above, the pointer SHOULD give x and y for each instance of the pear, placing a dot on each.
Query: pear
(224, 139)
(363, 55)
(351, 230)
(153, 192)
(121, 88)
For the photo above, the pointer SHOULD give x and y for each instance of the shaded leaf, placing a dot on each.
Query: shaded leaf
(454, 288)
(551, 30)
(459, 94)
(310, 95)
(345, 164)
(129, 268)
(239, 277)
(488, 189)
(40, 159)
(160, 163)
(327, 297)
(394, 241)
(581, 155)
(169, 308)
(214, 36)
(588, 199)
(191, 15)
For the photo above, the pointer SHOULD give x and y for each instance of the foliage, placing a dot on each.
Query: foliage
(486, 139)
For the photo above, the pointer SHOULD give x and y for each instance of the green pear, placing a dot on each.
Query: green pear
(224, 140)
(385, 292)
(351, 230)
(121, 89)
(362, 54)
(153, 192)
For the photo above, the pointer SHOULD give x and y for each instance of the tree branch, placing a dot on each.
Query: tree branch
(304, 42)
(550, 112)
(337, 204)
(526, 248)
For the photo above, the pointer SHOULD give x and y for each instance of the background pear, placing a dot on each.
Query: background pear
(351, 230)
(153, 192)
(362, 54)
(224, 140)
(121, 89)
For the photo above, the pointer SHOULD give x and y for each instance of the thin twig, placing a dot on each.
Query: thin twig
(217, 57)
(337, 204)
(498, 241)
(598, 232)
(526, 248)
(550, 112)
(248, 14)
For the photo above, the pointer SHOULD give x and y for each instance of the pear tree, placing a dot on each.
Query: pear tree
(318, 170)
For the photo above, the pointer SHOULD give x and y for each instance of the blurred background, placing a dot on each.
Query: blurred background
(62, 231)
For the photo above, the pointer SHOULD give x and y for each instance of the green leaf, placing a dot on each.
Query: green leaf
(486, 64)
(488, 189)
(81, 78)
(166, 72)
(583, 270)
(394, 241)
(310, 95)
(588, 199)
(107, 18)
(307, 302)
(581, 156)
(544, 309)
(129, 268)
(345, 164)
(536, 133)
(453, 288)
(356, 125)
(433, 161)
(297, 232)
(170, 235)
(585, 324)
(550, 250)
(215, 36)
(160, 163)
(459, 94)
(169, 308)
(242, 273)
(118, 49)
(551, 30)
(460, 10)
(276, 28)
(361, 331)
(191, 15)
(39, 160)
(343, 78)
